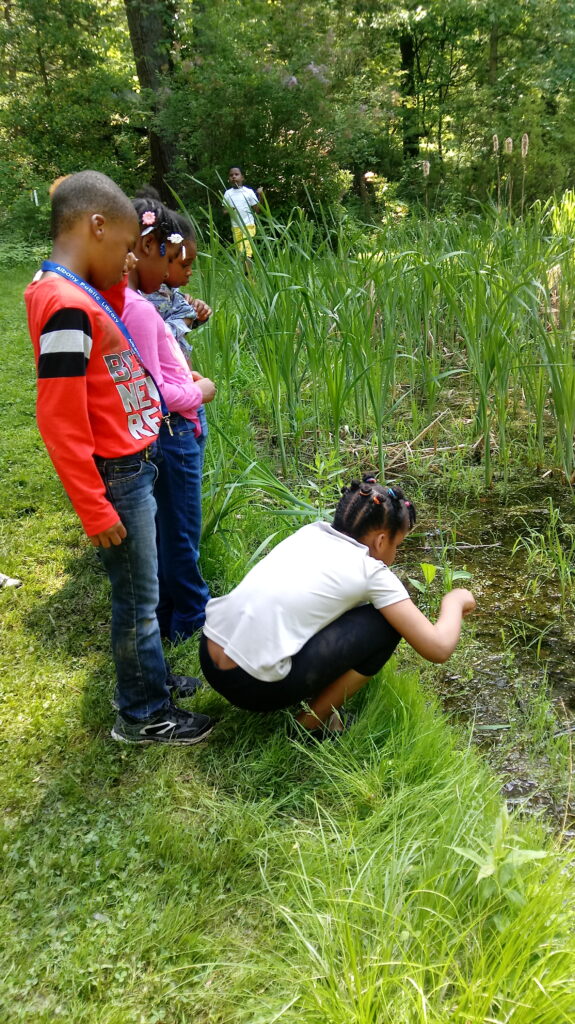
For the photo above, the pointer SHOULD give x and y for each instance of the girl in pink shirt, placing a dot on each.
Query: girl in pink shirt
(178, 491)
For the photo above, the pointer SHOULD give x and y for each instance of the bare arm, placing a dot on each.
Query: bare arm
(435, 642)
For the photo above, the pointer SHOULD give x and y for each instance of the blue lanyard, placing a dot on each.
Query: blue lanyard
(57, 268)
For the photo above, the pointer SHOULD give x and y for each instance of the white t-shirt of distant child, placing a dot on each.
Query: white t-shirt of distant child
(307, 581)
(239, 201)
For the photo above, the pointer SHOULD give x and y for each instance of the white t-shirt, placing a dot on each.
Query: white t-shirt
(306, 582)
(239, 202)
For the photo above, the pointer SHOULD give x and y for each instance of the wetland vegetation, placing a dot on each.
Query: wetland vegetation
(420, 870)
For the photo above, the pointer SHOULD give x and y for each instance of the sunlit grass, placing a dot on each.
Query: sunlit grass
(253, 879)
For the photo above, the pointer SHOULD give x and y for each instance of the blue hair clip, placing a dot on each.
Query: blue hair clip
(162, 248)
(391, 492)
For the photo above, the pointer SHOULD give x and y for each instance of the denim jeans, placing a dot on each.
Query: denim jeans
(204, 434)
(178, 491)
(132, 567)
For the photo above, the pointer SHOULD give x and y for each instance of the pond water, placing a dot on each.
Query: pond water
(514, 681)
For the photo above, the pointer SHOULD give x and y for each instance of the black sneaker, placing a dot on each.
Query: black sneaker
(172, 725)
(183, 686)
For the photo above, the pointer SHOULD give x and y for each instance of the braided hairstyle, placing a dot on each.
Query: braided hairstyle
(185, 226)
(155, 219)
(368, 506)
(148, 192)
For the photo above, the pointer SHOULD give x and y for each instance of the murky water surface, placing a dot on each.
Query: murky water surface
(515, 685)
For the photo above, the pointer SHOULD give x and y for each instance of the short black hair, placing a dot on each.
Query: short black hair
(87, 192)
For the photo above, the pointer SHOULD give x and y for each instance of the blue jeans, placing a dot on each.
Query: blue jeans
(132, 567)
(183, 591)
(204, 434)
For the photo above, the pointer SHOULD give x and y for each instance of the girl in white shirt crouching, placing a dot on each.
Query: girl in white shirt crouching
(323, 612)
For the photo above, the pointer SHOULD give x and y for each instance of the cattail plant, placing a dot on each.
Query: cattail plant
(524, 152)
(426, 167)
(508, 150)
(496, 155)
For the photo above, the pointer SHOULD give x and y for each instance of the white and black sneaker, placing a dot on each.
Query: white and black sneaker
(171, 725)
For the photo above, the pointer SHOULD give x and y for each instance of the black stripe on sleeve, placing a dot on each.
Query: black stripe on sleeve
(65, 344)
(62, 364)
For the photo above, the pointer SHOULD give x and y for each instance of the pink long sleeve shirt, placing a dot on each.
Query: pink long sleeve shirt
(162, 356)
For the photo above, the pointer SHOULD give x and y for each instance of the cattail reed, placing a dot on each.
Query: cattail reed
(524, 152)
(426, 167)
(508, 150)
(496, 154)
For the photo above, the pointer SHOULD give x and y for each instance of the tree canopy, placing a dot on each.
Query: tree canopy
(322, 100)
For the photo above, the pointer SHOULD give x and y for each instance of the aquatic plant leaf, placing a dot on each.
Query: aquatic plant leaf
(417, 584)
(429, 572)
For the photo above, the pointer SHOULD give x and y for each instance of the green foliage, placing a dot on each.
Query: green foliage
(251, 879)
(66, 99)
(311, 97)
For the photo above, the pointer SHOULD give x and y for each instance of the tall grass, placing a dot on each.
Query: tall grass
(255, 880)
(363, 341)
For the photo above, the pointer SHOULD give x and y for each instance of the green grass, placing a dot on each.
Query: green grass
(250, 880)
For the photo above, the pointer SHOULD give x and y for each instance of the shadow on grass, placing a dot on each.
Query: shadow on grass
(74, 620)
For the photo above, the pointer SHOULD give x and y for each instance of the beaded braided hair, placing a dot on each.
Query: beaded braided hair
(369, 506)
(155, 219)
(185, 226)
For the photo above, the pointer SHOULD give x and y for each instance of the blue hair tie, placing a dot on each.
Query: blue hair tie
(391, 492)
(162, 248)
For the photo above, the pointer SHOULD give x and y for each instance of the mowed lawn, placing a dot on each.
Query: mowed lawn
(251, 879)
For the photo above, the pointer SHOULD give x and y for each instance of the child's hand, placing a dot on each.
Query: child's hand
(113, 536)
(465, 598)
(202, 309)
(208, 389)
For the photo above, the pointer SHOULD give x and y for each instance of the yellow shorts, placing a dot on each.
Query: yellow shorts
(242, 239)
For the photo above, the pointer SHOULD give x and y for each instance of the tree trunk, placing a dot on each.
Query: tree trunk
(152, 33)
(408, 92)
(493, 53)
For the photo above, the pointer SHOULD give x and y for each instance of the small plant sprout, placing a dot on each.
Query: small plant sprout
(551, 556)
(501, 863)
(429, 572)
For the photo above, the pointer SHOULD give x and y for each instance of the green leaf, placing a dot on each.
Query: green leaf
(429, 572)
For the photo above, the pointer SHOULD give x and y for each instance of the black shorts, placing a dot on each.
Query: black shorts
(361, 639)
